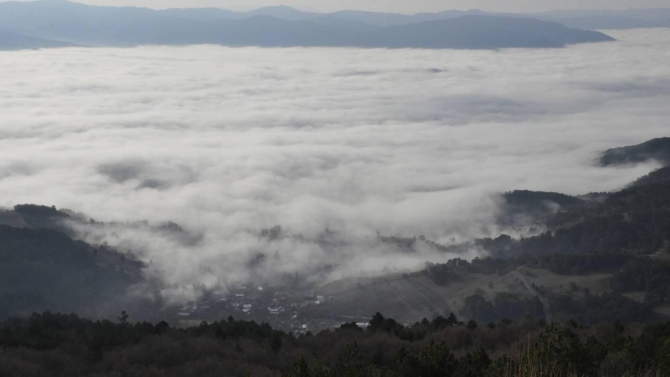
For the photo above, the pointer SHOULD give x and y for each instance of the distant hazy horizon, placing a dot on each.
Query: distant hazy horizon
(391, 6)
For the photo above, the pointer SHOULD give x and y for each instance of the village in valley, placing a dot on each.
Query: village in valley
(283, 310)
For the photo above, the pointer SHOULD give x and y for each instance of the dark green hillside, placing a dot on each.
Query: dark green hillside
(43, 269)
(633, 220)
(661, 175)
(531, 200)
(656, 149)
(523, 207)
(35, 216)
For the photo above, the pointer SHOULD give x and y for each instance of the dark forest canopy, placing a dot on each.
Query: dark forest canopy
(65, 345)
(661, 175)
(632, 220)
(530, 199)
(656, 149)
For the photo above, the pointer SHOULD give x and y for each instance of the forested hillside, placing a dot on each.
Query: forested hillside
(593, 258)
(624, 239)
(44, 269)
(656, 149)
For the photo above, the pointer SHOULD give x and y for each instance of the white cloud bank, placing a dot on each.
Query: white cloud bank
(226, 141)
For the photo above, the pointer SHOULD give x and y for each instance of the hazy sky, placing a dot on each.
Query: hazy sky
(403, 6)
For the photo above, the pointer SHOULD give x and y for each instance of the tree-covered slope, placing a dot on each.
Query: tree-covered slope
(656, 149)
(43, 269)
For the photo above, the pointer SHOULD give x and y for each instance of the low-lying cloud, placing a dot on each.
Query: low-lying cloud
(334, 145)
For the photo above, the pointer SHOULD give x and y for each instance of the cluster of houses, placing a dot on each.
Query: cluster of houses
(312, 300)
(278, 308)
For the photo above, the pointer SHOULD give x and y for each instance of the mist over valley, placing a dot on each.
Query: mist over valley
(325, 143)
(196, 192)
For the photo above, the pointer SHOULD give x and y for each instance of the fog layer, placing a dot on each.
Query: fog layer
(228, 141)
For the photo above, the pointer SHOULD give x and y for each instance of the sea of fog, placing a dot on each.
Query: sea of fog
(335, 144)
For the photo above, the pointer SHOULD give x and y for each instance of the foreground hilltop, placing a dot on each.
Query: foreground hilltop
(126, 26)
(65, 345)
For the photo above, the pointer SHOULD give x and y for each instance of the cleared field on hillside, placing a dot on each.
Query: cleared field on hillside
(410, 298)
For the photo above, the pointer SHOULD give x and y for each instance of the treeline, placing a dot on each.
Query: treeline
(66, 345)
(645, 275)
(630, 275)
(661, 175)
(626, 234)
(522, 207)
(656, 149)
(562, 264)
(594, 309)
(633, 221)
(583, 236)
(504, 306)
(588, 309)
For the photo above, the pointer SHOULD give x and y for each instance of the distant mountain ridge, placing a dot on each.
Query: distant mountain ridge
(14, 41)
(581, 19)
(281, 27)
